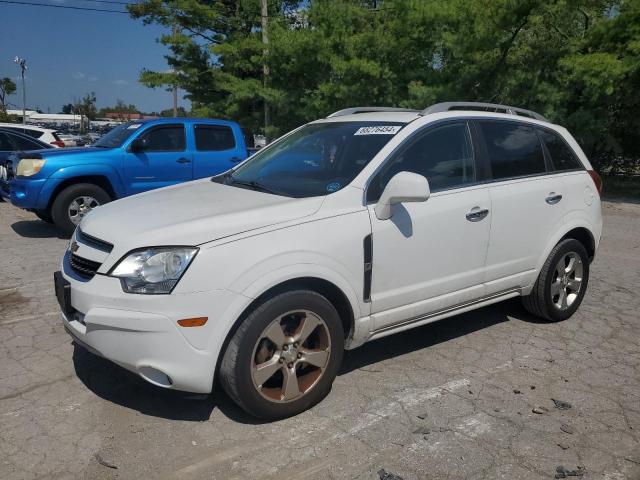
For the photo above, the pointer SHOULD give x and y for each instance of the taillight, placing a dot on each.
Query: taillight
(597, 180)
(58, 143)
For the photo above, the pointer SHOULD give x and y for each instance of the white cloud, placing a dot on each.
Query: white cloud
(78, 75)
(93, 79)
(120, 82)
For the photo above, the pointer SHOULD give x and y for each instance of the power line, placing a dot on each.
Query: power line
(16, 2)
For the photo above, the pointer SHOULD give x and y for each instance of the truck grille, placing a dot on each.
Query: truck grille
(84, 267)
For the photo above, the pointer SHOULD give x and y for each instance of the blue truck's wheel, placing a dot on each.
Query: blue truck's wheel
(44, 215)
(74, 202)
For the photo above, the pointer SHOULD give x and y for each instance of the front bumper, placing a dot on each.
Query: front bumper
(141, 334)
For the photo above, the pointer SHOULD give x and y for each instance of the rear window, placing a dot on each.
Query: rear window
(26, 131)
(214, 138)
(514, 149)
(562, 156)
(22, 143)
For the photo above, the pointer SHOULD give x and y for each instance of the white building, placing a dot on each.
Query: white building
(50, 118)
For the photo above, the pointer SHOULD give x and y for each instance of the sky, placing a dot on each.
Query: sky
(70, 53)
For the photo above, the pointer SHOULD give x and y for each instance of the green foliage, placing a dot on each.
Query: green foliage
(576, 61)
(7, 87)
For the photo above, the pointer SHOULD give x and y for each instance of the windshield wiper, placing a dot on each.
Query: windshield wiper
(255, 185)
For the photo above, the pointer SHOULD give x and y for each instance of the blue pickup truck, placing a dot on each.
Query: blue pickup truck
(62, 185)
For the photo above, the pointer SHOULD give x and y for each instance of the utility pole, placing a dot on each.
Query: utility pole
(265, 66)
(176, 30)
(23, 66)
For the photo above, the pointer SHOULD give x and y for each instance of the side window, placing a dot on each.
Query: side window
(443, 155)
(167, 138)
(214, 138)
(562, 156)
(25, 144)
(5, 144)
(514, 149)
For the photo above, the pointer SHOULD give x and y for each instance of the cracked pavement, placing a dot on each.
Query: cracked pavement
(453, 399)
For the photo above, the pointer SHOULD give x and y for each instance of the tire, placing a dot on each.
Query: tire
(62, 203)
(44, 215)
(546, 299)
(250, 346)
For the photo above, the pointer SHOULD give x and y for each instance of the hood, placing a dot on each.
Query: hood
(57, 152)
(191, 214)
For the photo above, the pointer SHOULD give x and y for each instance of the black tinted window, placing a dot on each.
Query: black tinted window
(514, 149)
(5, 144)
(169, 138)
(27, 131)
(25, 144)
(562, 157)
(214, 137)
(443, 155)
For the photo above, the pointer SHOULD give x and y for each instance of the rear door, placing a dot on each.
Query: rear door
(165, 160)
(526, 198)
(216, 149)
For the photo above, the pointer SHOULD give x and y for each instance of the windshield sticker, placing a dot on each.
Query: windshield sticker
(333, 187)
(133, 126)
(378, 130)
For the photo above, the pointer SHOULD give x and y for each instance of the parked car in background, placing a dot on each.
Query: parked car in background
(11, 142)
(71, 140)
(66, 184)
(353, 227)
(45, 135)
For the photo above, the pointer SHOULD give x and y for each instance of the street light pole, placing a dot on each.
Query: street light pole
(23, 66)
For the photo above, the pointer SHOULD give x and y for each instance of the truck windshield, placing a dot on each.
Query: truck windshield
(118, 135)
(318, 159)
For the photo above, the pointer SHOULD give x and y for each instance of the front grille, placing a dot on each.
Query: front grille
(93, 242)
(84, 267)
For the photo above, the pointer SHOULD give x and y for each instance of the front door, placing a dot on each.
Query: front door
(163, 161)
(431, 255)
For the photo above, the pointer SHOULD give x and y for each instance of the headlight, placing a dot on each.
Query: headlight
(29, 166)
(153, 270)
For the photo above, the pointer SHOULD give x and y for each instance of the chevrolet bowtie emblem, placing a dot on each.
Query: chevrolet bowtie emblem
(73, 246)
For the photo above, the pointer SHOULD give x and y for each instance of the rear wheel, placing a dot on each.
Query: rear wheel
(284, 356)
(74, 202)
(562, 282)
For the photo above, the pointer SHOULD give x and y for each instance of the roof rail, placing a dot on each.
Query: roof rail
(350, 111)
(483, 107)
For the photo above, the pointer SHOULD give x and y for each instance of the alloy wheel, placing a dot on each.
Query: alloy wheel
(567, 281)
(290, 356)
(80, 206)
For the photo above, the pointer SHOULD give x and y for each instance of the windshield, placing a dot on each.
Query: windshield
(318, 159)
(118, 135)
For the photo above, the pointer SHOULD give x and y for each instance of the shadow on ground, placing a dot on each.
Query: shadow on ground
(117, 385)
(37, 229)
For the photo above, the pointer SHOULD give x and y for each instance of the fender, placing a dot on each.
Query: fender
(83, 170)
(255, 282)
(572, 220)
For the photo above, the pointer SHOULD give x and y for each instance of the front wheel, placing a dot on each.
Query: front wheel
(562, 282)
(74, 202)
(44, 215)
(284, 356)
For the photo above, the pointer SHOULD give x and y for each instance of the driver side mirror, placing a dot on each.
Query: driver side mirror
(403, 187)
(139, 145)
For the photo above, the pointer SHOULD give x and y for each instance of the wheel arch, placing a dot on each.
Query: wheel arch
(584, 236)
(324, 287)
(99, 180)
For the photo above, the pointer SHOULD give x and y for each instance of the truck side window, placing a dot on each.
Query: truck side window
(165, 138)
(211, 138)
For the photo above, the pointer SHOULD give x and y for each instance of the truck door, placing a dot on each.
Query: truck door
(159, 158)
(216, 149)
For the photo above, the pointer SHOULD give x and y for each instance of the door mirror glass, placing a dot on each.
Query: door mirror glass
(403, 187)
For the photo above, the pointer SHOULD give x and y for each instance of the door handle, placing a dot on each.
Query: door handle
(235, 159)
(553, 198)
(183, 160)
(476, 214)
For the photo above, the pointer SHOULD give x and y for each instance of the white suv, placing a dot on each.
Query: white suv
(347, 229)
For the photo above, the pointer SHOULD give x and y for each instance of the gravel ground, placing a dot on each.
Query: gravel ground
(454, 399)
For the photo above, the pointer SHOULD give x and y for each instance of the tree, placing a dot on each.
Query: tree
(575, 61)
(67, 108)
(7, 87)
